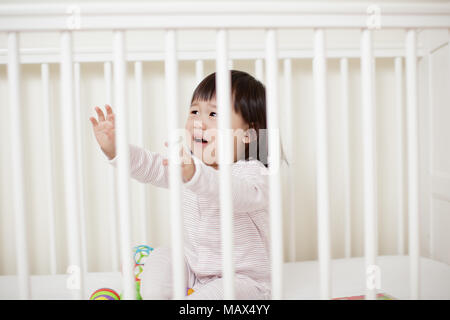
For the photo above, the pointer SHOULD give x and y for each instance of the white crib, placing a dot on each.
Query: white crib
(406, 275)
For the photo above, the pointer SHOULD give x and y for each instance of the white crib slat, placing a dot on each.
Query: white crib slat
(413, 160)
(322, 191)
(70, 166)
(17, 159)
(225, 159)
(259, 70)
(199, 71)
(48, 151)
(107, 72)
(347, 158)
(230, 64)
(290, 146)
(225, 154)
(368, 116)
(80, 161)
(374, 99)
(171, 71)
(430, 108)
(276, 224)
(140, 140)
(111, 180)
(398, 65)
(123, 165)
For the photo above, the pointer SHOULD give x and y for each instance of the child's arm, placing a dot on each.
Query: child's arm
(146, 166)
(249, 184)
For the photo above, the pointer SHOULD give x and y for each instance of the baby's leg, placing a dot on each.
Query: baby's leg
(245, 289)
(156, 278)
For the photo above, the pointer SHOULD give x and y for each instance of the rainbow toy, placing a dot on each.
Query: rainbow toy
(104, 294)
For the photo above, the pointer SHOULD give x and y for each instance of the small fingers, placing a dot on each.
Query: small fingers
(101, 116)
(109, 112)
(108, 109)
(93, 121)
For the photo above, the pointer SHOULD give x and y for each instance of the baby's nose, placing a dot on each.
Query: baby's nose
(199, 125)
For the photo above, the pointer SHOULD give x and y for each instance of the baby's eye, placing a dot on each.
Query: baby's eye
(215, 114)
(194, 111)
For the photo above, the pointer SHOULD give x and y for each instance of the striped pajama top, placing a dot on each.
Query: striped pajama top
(201, 214)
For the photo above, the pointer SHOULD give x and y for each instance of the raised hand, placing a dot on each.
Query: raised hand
(104, 130)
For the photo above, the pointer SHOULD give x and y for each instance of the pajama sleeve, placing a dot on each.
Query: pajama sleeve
(146, 167)
(249, 184)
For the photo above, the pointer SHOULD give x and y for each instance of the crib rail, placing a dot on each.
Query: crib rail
(201, 53)
(200, 15)
(221, 17)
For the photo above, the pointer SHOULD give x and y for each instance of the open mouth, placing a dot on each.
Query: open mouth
(200, 140)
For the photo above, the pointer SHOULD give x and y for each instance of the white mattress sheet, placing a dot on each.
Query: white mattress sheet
(348, 278)
(301, 280)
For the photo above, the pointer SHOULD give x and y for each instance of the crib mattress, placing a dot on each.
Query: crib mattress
(301, 280)
(348, 278)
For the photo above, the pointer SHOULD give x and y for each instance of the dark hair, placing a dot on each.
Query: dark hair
(249, 96)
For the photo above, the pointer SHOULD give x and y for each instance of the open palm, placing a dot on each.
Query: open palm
(104, 130)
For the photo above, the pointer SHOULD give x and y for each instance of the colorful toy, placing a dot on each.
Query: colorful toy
(104, 294)
(140, 254)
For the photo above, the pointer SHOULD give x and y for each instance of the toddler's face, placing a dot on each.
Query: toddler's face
(201, 126)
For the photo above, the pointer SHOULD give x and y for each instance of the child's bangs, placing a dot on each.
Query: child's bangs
(206, 90)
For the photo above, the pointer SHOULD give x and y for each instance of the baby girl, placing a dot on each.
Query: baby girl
(200, 193)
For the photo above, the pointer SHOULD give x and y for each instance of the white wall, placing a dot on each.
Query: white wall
(437, 201)
(95, 174)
